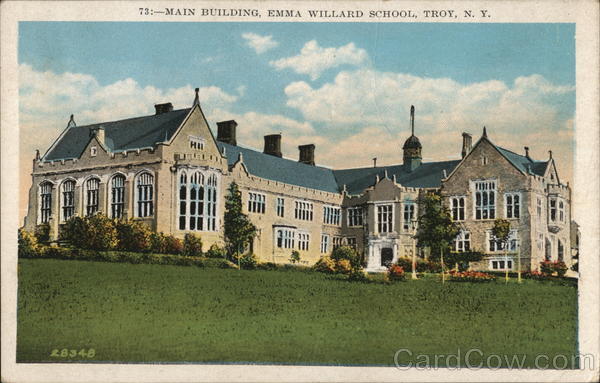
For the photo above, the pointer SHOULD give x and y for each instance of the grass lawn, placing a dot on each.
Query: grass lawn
(152, 313)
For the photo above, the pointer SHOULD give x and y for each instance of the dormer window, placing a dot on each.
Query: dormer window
(93, 151)
(196, 143)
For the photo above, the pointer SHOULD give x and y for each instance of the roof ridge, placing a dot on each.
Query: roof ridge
(130, 118)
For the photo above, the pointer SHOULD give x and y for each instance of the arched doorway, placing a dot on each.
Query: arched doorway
(387, 255)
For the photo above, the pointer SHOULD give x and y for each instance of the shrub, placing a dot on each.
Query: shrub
(549, 268)
(97, 232)
(28, 244)
(343, 266)
(248, 261)
(135, 236)
(470, 276)
(157, 243)
(192, 245)
(546, 267)
(561, 268)
(42, 233)
(358, 275)
(216, 252)
(225, 264)
(295, 257)
(536, 275)
(405, 263)
(325, 265)
(173, 245)
(395, 273)
(347, 253)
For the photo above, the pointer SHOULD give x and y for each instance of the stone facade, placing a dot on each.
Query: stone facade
(177, 184)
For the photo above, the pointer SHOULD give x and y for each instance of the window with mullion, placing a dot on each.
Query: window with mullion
(68, 199)
(45, 202)
(117, 197)
(92, 189)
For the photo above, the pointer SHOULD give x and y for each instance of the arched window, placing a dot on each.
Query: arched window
(196, 201)
(45, 202)
(211, 203)
(117, 196)
(68, 199)
(92, 188)
(145, 195)
(561, 251)
(548, 250)
(182, 200)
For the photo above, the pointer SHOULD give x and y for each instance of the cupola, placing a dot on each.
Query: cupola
(412, 146)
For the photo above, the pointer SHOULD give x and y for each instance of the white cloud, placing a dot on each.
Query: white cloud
(259, 43)
(313, 60)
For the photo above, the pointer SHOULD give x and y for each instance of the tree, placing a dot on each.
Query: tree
(436, 229)
(501, 231)
(238, 229)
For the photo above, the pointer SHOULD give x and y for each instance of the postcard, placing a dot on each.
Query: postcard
(300, 191)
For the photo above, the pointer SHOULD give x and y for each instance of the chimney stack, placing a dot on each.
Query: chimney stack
(226, 132)
(163, 108)
(467, 144)
(527, 152)
(273, 145)
(307, 154)
(98, 132)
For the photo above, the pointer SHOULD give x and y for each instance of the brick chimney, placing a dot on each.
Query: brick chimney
(467, 144)
(226, 132)
(163, 108)
(273, 145)
(307, 154)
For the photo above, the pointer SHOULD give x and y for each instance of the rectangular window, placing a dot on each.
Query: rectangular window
(462, 242)
(355, 216)
(45, 202)
(485, 199)
(337, 242)
(256, 203)
(351, 242)
(196, 143)
(303, 241)
(457, 208)
(552, 205)
(512, 205)
(92, 187)
(117, 196)
(408, 215)
(384, 218)
(561, 211)
(285, 238)
(324, 243)
(499, 264)
(303, 211)
(495, 245)
(280, 207)
(145, 195)
(539, 208)
(331, 215)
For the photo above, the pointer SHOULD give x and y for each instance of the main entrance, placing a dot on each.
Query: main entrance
(387, 255)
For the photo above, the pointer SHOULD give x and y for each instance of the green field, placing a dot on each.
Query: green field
(148, 313)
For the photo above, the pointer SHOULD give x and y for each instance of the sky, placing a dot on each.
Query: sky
(346, 87)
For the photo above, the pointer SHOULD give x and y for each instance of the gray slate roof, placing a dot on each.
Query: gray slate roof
(281, 169)
(428, 175)
(523, 163)
(132, 133)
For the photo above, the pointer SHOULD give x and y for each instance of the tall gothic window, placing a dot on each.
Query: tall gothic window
(45, 202)
(196, 213)
(145, 195)
(197, 202)
(68, 199)
(92, 187)
(117, 196)
(457, 207)
(182, 200)
(384, 219)
(408, 215)
(485, 199)
(512, 204)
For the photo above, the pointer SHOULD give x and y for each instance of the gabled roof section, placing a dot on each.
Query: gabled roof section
(128, 134)
(281, 169)
(523, 163)
(427, 175)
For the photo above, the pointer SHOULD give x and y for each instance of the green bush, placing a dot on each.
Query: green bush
(42, 233)
(396, 273)
(248, 261)
(192, 245)
(97, 232)
(348, 253)
(28, 244)
(295, 257)
(358, 275)
(325, 265)
(216, 252)
(173, 245)
(158, 243)
(343, 266)
(266, 266)
(135, 236)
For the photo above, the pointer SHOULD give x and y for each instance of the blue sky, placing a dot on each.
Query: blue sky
(347, 87)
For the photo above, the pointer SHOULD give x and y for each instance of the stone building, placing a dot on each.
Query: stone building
(170, 172)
